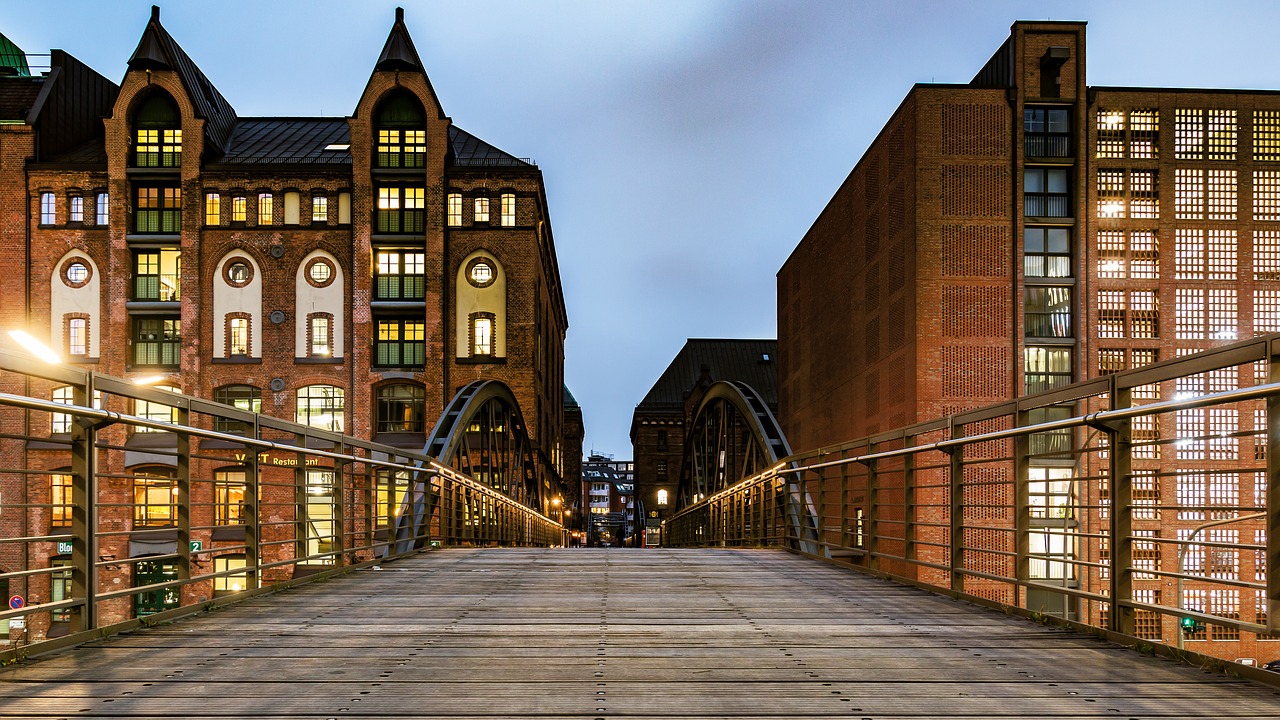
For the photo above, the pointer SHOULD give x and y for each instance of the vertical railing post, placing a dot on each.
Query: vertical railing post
(253, 513)
(339, 508)
(909, 502)
(874, 545)
(955, 488)
(1021, 511)
(1120, 469)
(301, 509)
(183, 481)
(84, 510)
(1273, 491)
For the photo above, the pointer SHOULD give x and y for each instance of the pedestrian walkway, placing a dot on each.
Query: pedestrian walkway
(515, 633)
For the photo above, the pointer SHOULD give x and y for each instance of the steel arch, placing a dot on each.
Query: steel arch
(733, 437)
(481, 434)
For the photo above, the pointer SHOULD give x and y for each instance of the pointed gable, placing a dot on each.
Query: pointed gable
(398, 53)
(157, 50)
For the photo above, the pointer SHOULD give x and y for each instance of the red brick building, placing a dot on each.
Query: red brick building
(1024, 231)
(348, 273)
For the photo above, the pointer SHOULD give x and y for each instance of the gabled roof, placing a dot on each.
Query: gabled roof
(754, 362)
(157, 50)
(398, 53)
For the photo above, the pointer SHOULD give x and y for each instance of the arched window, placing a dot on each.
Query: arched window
(401, 133)
(321, 406)
(401, 409)
(155, 411)
(157, 133)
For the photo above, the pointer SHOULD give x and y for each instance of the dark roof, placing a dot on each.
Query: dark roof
(157, 50)
(470, 150)
(288, 140)
(569, 399)
(17, 96)
(398, 53)
(754, 362)
(91, 152)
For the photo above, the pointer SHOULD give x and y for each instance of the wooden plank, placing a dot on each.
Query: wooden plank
(617, 634)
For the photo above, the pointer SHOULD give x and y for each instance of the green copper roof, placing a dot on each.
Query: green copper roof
(12, 60)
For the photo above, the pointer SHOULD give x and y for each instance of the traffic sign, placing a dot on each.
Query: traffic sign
(17, 602)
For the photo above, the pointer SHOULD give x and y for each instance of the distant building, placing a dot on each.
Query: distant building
(575, 506)
(661, 420)
(613, 512)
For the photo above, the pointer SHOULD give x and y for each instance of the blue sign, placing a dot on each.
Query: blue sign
(16, 602)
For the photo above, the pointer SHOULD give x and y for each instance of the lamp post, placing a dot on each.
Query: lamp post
(1182, 551)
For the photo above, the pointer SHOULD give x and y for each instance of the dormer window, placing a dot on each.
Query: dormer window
(401, 133)
(157, 133)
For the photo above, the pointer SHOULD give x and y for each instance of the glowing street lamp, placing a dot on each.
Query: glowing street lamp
(35, 347)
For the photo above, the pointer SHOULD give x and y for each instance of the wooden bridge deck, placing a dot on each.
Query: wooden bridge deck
(614, 634)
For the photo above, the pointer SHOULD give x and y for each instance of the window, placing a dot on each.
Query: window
(1046, 252)
(60, 500)
(239, 208)
(320, 330)
(65, 395)
(320, 513)
(319, 210)
(1046, 368)
(481, 334)
(662, 470)
(1046, 132)
(1144, 316)
(238, 273)
(153, 572)
(1147, 623)
(266, 208)
(237, 336)
(664, 498)
(158, 133)
(1048, 312)
(48, 209)
(76, 212)
(321, 406)
(455, 209)
(401, 133)
(1206, 314)
(1141, 127)
(482, 210)
(508, 209)
(154, 411)
(320, 272)
(1045, 193)
(60, 589)
(401, 210)
(157, 210)
(480, 272)
(1146, 552)
(1111, 194)
(212, 209)
(1266, 194)
(400, 343)
(1128, 253)
(1266, 311)
(1266, 135)
(157, 341)
(1221, 193)
(157, 275)
(155, 497)
(103, 210)
(390, 488)
(1052, 552)
(233, 583)
(78, 336)
(401, 409)
(400, 275)
(241, 397)
(229, 493)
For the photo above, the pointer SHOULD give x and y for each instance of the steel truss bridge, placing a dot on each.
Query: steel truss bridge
(1081, 508)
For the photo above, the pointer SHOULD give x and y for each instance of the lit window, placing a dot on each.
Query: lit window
(65, 395)
(1047, 312)
(78, 336)
(212, 208)
(455, 210)
(156, 412)
(319, 209)
(1266, 194)
(155, 497)
(321, 406)
(399, 275)
(241, 397)
(239, 208)
(157, 209)
(157, 275)
(401, 210)
(233, 583)
(663, 498)
(229, 493)
(1111, 200)
(1046, 368)
(239, 273)
(320, 272)
(1052, 553)
(103, 210)
(266, 208)
(1188, 200)
(481, 274)
(1221, 193)
(508, 209)
(76, 213)
(48, 209)
(238, 336)
(389, 492)
(1266, 254)
(482, 334)
(482, 210)
(321, 329)
(1144, 133)
(1188, 134)
(158, 133)
(1266, 135)
(60, 500)
(157, 341)
(400, 343)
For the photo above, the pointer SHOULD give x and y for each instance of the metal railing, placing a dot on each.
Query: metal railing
(112, 520)
(1154, 491)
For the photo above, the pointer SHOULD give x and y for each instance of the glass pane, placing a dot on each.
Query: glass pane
(1059, 240)
(1057, 181)
(1033, 181)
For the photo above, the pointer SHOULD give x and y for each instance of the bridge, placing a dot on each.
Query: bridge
(994, 563)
